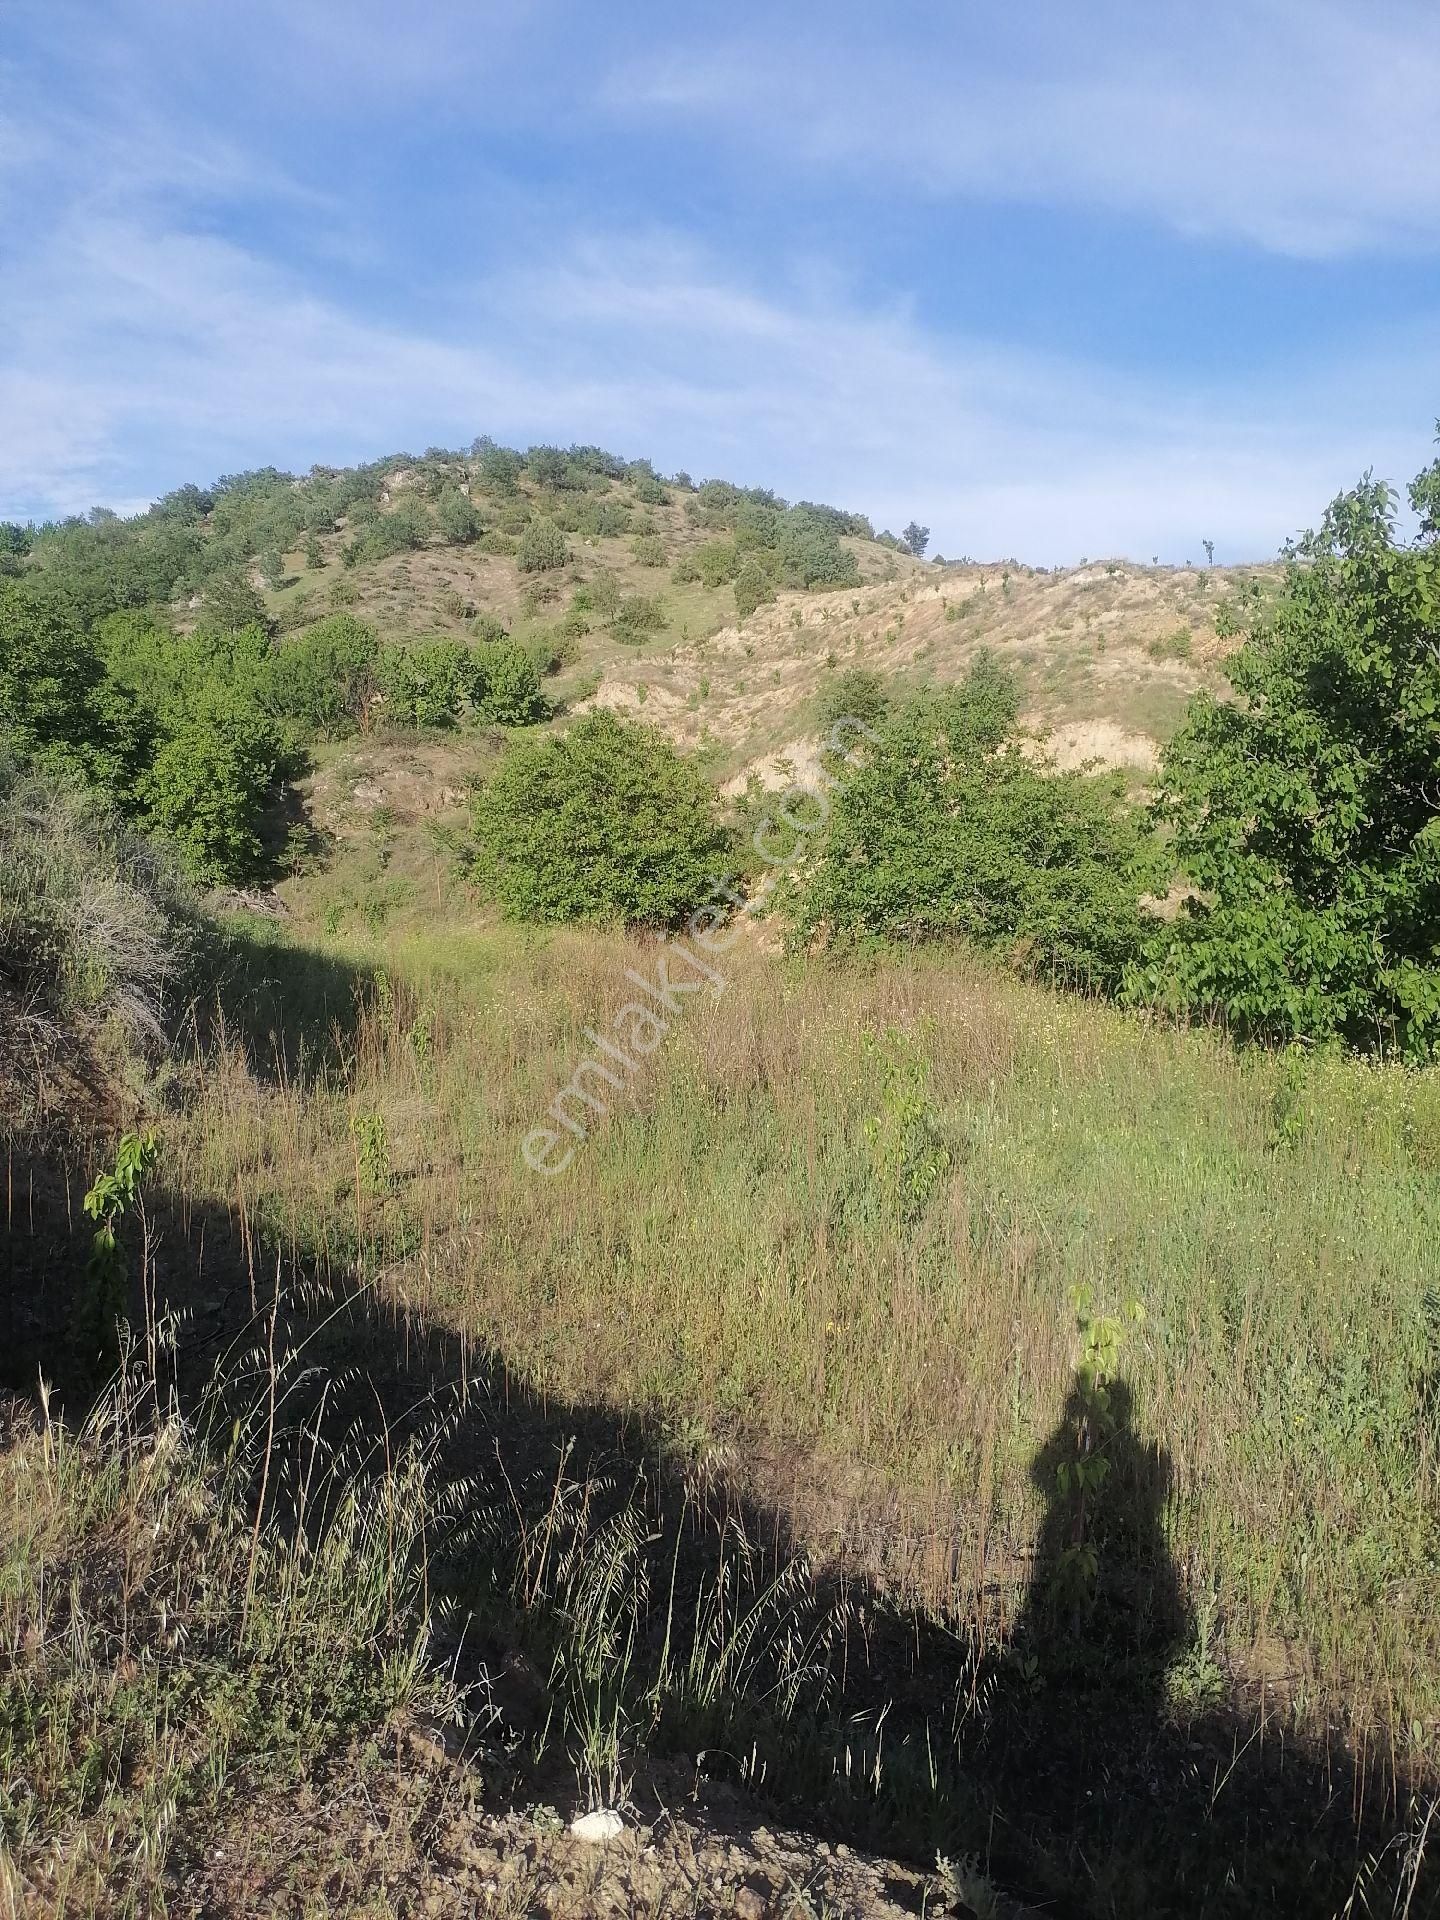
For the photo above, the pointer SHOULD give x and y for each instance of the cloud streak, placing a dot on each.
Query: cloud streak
(222, 360)
(1308, 129)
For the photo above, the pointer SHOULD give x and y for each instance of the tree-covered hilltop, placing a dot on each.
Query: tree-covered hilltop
(140, 656)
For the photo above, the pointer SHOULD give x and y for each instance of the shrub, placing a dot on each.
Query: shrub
(603, 520)
(505, 685)
(542, 547)
(230, 603)
(55, 705)
(456, 518)
(608, 823)
(499, 467)
(811, 553)
(206, 789)
(486, 627)
(753, 588)
(717, 561)
(856, 695)
(549, 652)
(323, 680)
(548, 467)
(496, 542)
(424, 685)
(649, 549)
(945, 828)
(635, 617)
(1307, 812)
(603, 594)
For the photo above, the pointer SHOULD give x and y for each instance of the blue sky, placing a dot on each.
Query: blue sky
(1058, 280)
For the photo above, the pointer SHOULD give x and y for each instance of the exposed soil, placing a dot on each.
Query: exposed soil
(406, 1827)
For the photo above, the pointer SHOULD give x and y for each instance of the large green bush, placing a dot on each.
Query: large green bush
(945, 828)
(1307, 812)
(322, 680)
(542, 547)
(857, 694)
(57, 706)
(436, 683)
(207, 787)
(606, 823)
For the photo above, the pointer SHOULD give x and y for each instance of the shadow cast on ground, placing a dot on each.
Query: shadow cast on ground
(715, 1645)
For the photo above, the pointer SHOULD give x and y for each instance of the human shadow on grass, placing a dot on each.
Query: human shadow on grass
(623, 1615)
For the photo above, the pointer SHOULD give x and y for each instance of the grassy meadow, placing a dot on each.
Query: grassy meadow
(827, 1243)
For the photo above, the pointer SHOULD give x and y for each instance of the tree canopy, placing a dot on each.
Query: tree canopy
(1306, 813)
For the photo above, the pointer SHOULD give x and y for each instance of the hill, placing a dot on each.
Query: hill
(932, 1413)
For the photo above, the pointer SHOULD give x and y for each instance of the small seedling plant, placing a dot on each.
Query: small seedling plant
(115, 1195)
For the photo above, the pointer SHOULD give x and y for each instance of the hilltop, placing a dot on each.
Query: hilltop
(1109, 652)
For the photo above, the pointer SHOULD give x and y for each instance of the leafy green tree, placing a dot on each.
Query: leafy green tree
(505, 687)
(945, 827)
(811, 552)
(542, 547)
(1307, 811)
(322, 680)
(1424, 491)
(607, 823)
(499, 467)
(408, 522)
(272, 566)
(856, 695)
(717, 561)
(314, 553)
(916, 539)
(425, 685)
(206, 791)
(548, 467)
(456, 518)
(753, 588)
(57, 706)
(230, 603)
(15, 543)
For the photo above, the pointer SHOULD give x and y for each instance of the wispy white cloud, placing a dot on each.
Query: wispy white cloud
(1305, 126)
(214, 358)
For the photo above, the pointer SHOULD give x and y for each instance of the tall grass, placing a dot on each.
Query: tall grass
(745, 1254)
(94, 919)
(190, 1607)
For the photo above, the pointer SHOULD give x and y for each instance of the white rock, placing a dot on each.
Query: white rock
(603, 1824)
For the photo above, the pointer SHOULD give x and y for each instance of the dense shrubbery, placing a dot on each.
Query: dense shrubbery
(187, 733)
(607, 823)
(855, 695)
(768, 546)
(542, 547)
(437, 683)
(1307, 812)
(945, 828)
(323, 679)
